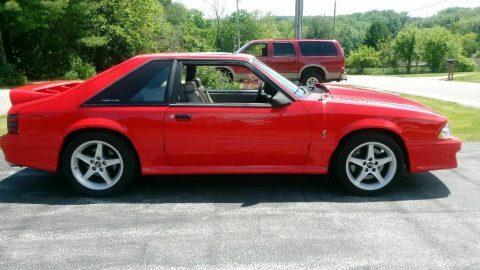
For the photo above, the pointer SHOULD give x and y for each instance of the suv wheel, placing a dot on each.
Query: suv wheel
(311, 77)
(98, 164)
(369, 164)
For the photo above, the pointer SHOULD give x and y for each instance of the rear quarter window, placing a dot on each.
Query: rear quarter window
(318, 48)
(146, 85)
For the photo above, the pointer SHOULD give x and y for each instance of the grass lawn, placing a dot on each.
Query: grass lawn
(463, 120)
(3, 124)
(467, 77)
(413, 75)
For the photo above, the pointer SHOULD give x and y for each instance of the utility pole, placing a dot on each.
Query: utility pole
(298, 18)
(238, 27)
(334, 19)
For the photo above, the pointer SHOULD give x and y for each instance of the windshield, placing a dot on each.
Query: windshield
(298, 91)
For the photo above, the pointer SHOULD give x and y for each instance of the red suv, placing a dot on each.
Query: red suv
(308, 60)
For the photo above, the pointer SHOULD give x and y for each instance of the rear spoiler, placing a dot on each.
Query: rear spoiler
(40, 90)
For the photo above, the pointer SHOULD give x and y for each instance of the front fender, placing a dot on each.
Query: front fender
(370, 123)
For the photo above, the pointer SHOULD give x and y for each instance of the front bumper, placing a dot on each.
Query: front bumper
(439, 155)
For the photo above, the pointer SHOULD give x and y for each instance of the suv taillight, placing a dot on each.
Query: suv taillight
(12, 123)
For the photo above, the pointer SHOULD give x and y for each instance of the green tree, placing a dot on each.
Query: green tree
(388, 58)
(377, 33)
(318, 27)
(436, 44)
(405, 46)
(363, 57)
(252, 26)
(469, 44)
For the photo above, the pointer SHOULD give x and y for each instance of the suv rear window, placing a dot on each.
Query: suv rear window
(283, 49)
(146, 85)
(317, 48)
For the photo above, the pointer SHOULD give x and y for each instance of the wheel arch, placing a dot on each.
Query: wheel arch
(229, 69)
(320, 68)
(96, 129)
(382, 130)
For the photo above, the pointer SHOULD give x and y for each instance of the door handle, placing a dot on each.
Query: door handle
(183, 117)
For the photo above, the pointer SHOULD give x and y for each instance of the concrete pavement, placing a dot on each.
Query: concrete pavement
(429, 220)
(4, 101)
(464, 93)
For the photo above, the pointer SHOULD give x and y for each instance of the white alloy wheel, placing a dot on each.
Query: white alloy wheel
(96, 165)
(312, 81)
(371, 166)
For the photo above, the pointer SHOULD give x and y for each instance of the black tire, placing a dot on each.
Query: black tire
(306, 75)
(340, 163)
(127, 154)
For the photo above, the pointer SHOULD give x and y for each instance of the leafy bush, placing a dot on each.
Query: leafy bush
(436, 44)
(405, 46)
(465, 64)
(79, 69)
(10, 76)
(213, 78)
(363, 57)
(469, 44)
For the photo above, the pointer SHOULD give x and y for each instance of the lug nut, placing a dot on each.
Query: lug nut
(98, 158)
(93, 168)
(364, 163)
(91, 161)
(366, 170)
(376, 163)
(104, 163)
(101, 169)
(373, 169)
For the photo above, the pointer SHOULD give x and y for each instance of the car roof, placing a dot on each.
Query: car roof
(199, 56)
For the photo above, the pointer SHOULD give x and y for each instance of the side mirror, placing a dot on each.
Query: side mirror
(279, 100)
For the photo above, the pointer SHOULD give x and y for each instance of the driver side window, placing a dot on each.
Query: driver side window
(218, 84)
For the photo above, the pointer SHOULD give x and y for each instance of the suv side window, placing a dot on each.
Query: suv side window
(283, 49)
(146, 85)
(257, 50)
(317, 48)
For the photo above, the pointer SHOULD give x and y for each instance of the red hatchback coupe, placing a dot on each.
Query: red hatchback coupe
(165, 114)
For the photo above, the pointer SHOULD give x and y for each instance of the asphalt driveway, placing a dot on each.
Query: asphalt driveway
(430, 220)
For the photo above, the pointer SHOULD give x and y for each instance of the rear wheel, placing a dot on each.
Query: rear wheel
(369, 164)
(98, 164)
(311, 77)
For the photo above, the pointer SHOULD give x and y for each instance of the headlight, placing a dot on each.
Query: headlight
(446, 132)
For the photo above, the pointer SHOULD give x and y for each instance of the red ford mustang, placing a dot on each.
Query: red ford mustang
(175, 114)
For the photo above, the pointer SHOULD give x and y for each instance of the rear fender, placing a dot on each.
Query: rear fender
(99, 123)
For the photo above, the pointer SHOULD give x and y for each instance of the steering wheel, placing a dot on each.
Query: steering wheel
(259, 93)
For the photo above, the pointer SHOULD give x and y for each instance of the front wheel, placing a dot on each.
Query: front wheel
(369, 164)
(98, 164)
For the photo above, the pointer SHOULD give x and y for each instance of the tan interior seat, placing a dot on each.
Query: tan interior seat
(201, 89)
(191, 92)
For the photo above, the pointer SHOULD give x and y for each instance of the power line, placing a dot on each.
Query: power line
(427, 6)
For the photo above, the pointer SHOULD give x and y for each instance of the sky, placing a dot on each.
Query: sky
(417, 8)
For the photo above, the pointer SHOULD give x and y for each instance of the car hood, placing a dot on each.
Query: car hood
(371, 97)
